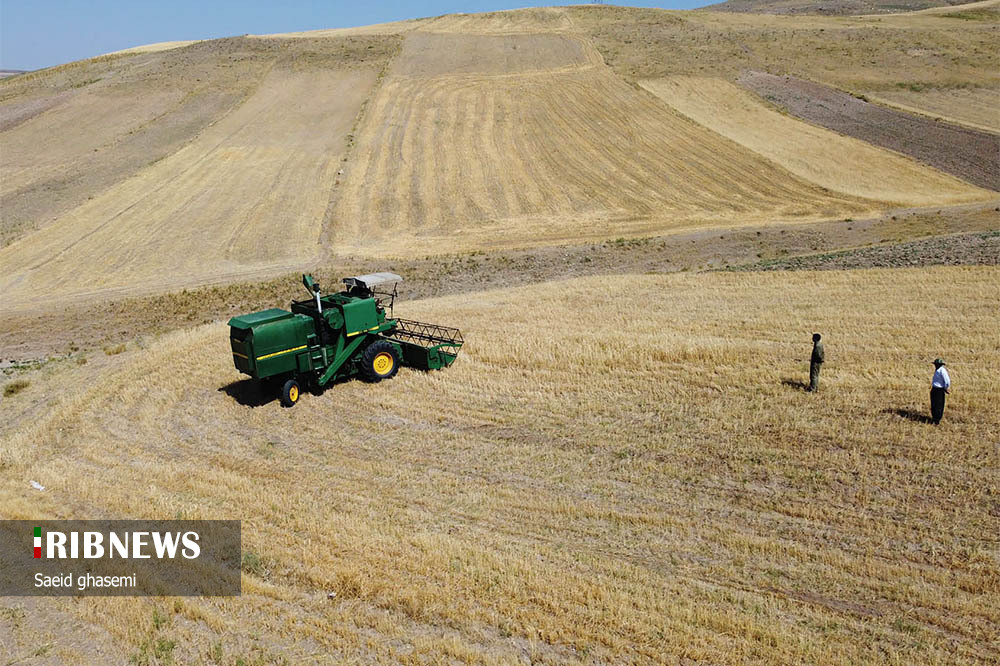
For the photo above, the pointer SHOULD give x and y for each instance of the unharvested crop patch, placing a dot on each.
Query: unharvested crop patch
(834, 161)
(970, 154)
(614, 470)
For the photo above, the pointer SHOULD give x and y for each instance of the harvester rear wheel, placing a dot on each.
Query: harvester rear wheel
(380, 361)
(290, 393)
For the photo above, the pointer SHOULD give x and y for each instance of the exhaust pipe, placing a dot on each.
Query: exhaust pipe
(313, 287)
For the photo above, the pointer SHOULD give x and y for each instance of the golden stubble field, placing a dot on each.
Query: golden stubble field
(616, 470)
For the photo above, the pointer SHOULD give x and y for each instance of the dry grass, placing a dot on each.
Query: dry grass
(834, 161)
(615, 470)
(975, 107)
(931, 62)
(518, 21)
(831, 7)
(90, 325)
(238, 185)
(860, 54)
(14, 387)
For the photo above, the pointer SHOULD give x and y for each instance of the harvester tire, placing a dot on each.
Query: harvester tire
(290, 393)
(380, 361)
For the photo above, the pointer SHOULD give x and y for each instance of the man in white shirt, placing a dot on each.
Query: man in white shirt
(940, 386)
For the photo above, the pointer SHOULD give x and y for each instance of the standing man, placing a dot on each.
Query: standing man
(940, 386)
(815, 362)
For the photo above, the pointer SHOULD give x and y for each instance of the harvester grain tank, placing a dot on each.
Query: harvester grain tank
(335, 336)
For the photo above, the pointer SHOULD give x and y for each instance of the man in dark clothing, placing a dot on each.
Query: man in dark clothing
(815, 362)
(940, 387)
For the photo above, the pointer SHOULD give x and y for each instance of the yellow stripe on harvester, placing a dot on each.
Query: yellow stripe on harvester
(284, 351)
(241, 355)
(363, 331)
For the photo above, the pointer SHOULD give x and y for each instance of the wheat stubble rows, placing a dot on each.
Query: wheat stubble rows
(564, 150)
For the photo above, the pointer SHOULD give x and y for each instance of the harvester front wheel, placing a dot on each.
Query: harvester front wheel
(380, 361)
(290, 393)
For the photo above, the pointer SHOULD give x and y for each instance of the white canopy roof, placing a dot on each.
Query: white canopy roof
(371, 279)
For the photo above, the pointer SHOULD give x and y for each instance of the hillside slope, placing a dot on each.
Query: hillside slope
(244, 189)
(502, 140)
(254, 156)
(837, 162)
(829, 7)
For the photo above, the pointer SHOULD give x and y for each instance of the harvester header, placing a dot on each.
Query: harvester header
(336, 336)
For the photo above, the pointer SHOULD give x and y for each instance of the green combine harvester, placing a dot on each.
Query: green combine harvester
(325, 338)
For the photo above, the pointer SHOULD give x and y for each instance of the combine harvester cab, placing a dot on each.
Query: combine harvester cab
(325, 338)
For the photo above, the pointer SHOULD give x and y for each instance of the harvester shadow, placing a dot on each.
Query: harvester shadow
(795, 384)
(909, 415)
(249, 393)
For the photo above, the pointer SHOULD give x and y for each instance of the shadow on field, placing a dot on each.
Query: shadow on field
(250, 393)
(909, 415)
(795, 384)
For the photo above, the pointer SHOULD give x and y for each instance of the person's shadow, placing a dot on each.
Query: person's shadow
(795, 384)
(250, 393)
(910, 415)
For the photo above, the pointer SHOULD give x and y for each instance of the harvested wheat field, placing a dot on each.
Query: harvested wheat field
(643, 482)
(245, 158)
(548, 147)
(622, 466)
(273, 162)
(245, 194)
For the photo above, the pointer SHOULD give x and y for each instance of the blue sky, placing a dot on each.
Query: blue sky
(42, 33)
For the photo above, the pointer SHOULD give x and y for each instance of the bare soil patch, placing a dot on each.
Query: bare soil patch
(961, 249)
(970, 154)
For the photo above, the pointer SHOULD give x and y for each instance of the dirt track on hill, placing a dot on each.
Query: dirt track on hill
(970, 154)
